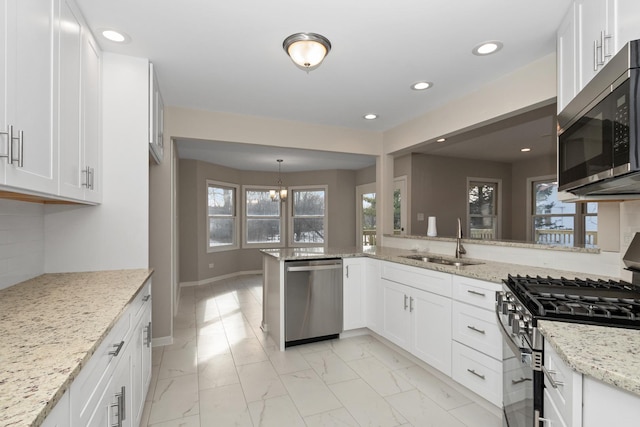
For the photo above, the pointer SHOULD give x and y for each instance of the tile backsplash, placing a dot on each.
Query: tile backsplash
(21, 241)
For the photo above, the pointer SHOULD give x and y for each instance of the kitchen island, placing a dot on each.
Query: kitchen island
(616, 361)
(50, 326)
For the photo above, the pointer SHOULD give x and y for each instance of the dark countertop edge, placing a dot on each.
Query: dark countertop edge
(504, 243)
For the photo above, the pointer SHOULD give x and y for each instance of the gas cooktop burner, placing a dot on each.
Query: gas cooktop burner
(600, 302)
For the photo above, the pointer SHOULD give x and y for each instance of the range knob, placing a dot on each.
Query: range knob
(513, 319)
(519, 327)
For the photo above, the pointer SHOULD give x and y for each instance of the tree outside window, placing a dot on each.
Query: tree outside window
(263, 218)
(308, 216)
(483, 212)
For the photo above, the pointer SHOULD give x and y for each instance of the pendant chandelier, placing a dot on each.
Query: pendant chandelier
(307, 50)
(281, 193)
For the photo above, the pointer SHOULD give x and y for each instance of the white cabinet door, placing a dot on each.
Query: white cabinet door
(595, 26)
(353, 285)
(431, 329)
(373, 295)
(627, 22)
(31, 77)
(551, 413)
(101, 414)
(79, 113)
(59, 416)
(3, 86)
(396, 320)
(566, 59)
(141, 364)
(121, 405)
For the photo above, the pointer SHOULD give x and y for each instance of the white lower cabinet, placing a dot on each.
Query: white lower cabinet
(415, 319)
(478, 372)
(551, 413)
(353, 290)
(111, 388)
(373, 296)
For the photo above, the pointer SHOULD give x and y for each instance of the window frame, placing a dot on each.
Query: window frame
(246, 217)
(236, 229)
(498, 204)
(291, 217)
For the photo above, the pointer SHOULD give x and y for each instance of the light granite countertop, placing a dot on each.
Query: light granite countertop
(611, 355)
(49, 328)
(608, 354)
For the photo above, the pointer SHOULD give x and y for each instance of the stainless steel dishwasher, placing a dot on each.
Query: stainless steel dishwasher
(313, 300)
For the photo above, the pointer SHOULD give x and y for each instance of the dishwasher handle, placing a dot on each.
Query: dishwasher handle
(315, 267)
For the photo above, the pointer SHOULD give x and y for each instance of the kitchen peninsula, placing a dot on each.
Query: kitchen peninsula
(381, 263)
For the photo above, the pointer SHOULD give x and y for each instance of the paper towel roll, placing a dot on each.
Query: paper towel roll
(431, 227)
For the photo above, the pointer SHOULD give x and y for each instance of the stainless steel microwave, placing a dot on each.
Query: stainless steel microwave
(598, 145)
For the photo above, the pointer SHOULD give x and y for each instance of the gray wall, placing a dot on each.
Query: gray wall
(194, 259)
(439, 188)
(366, 175)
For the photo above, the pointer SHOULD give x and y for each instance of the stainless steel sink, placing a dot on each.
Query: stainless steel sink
(440, 260)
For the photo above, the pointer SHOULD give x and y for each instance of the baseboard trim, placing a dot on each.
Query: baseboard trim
(218, 278)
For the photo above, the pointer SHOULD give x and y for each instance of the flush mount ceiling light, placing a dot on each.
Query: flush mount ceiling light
(487, 48)
(370, 116)
(440, 140)
(281, 193)
(307, 50)
(525, 150)
(115, 36)
(421, 85)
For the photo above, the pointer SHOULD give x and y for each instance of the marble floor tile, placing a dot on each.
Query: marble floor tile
(175, 398)
(178, 362)
(182, 338)
(275, 412)
(286, 362)
(224, 406)
(217, 371)
(192, 421)
(309, 393)
(260, 381)
(156, 355)
(476, 416)
(247, 350)
(331, 368)
(391, 358)
(384, 381)
(420, 410)
(336, 418)
(365, 405)
(349, 349)
(212, 345)
(432, 387)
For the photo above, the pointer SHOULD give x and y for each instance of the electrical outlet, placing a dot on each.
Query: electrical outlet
(211, 265)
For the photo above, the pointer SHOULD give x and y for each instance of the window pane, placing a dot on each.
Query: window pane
(221, 201)
(308, 230)
(396, 210)
(259, 203)
(591, 229)
(554, 230)
(483, 227)
(482, 198)
(546, 199)
(307, 203)
(221, 231)
(592, 208)
(263, 230)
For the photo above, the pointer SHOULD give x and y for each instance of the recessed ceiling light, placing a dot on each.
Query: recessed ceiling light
(440, 140)
(525, 150)
(421, 85)
(487, 48)
(370, 116)
(115, 36)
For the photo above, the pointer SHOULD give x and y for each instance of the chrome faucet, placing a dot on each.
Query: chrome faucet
(460, 250)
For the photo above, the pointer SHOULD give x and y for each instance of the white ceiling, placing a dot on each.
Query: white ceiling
(227, 55)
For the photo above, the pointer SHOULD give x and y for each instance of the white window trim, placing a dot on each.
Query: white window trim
(236, 232)
(245, 217)
(290, 216)
(361, 190)
(400, 183)
(529, 205)
(498, 182)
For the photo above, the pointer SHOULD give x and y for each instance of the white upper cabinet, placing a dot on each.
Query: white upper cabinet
(79, 108)
(589, 35)
(30, 65)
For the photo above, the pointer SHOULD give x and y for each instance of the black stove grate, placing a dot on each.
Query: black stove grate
(600, 302)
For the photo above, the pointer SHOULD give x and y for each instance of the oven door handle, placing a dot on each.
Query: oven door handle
(512, 345)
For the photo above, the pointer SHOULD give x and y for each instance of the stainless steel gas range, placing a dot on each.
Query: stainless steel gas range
(525, 300)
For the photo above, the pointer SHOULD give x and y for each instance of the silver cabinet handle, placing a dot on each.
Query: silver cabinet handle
(521, 380)
(118, 347)
(91, 173)
(20, 158)
(476, 293)
(411, 304)
(603, 49)
(119, 405)
(347, 271)
(475, 373)
(146, 298)
(553, 381)
(87, 179)
(405, 301)
(473, 328)
(595, 55)
(123, 393)
(9, 154)
(148, 337)
(315, 267)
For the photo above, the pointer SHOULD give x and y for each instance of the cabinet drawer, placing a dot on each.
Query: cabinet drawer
(476, 292)
(568, 386)
(478, 372)
(420, 278)
(477, 328)
(140, 301)
(87, 388)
